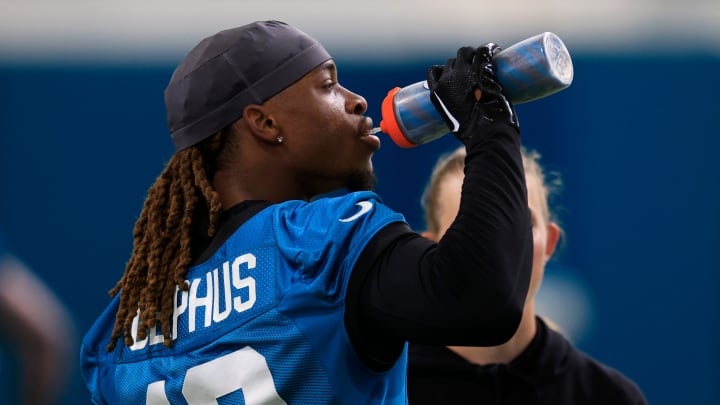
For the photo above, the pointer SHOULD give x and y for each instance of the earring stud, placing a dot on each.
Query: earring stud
(279, 139)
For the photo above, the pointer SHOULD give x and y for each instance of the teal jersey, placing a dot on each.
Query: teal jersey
(262, 320)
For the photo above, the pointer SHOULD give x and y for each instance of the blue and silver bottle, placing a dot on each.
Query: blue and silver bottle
(528, 70)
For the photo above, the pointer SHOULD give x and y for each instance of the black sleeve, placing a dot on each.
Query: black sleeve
(468, 289)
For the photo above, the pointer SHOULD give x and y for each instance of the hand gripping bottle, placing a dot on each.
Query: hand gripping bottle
(528, 70)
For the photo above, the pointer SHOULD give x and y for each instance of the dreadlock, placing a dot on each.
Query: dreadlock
(163, 237)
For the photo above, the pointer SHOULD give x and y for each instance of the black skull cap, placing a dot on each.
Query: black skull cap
(226, 72)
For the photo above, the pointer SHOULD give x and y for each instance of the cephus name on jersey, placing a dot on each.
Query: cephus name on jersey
(212, 298)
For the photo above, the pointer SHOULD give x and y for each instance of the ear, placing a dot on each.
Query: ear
(261, 123)
(553, 236)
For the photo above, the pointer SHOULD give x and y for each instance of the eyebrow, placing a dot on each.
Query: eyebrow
(329, 66)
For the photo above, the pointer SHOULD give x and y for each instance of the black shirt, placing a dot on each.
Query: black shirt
(549, 371)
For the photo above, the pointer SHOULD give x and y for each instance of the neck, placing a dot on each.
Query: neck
(509, 350)
(249, 181)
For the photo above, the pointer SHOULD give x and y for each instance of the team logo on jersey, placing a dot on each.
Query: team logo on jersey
(365, 207)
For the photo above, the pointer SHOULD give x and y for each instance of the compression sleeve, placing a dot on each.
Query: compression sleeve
(468, 289)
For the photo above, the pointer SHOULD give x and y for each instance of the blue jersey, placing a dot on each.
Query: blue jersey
(261, 322)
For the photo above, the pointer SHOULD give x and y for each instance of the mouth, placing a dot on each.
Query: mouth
(367, 134)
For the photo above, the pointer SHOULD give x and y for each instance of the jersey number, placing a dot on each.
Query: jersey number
(244, 370)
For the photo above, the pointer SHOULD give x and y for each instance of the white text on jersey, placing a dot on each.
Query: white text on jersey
(228, 298)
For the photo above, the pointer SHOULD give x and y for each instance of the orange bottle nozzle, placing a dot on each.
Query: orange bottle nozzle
(389, 123)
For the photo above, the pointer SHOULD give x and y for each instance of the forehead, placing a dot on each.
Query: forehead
(449, 189)
(327, 67)
(322, 71)
(296, 91)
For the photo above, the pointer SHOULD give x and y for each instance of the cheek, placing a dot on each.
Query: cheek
(317, 109)
(323, 125)
(538, 265)
(326, 106)
(316, 130)
(539, 241)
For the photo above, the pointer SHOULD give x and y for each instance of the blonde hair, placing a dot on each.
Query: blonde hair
(447, 164)
(454, 162)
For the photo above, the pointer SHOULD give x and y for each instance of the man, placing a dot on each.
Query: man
(249, 282)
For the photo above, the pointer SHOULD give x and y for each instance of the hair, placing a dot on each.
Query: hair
(550, 182)
(181, 207)
(448, 163)
(454, 162)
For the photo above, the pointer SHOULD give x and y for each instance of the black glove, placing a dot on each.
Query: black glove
(494, 104)
(452, 88)
(452, 91)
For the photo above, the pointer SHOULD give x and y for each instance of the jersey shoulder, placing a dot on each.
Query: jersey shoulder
(330, 229)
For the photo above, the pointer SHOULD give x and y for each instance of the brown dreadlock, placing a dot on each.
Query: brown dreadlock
(163, 236)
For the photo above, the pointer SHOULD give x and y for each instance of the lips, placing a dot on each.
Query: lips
(372, 140)
(367, 136)
(366, 126)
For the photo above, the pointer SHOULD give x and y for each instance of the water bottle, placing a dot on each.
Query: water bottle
(528, 70)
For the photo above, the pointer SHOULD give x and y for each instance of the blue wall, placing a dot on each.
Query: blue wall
(635, 140)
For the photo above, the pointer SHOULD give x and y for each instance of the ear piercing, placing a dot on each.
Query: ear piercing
(279, 139)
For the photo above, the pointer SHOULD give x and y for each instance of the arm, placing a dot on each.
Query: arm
(39, 327)
(470, 288)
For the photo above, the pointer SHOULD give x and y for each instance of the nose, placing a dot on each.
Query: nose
(355, 103)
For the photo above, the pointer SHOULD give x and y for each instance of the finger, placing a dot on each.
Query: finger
(465, 55)
(490, 88)
(486, 52)
(434, 73)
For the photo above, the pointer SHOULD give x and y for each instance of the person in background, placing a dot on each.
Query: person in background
(39, 330)
(248, 281)
(537, 365)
